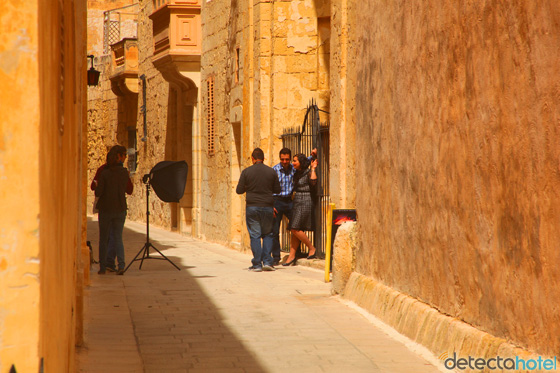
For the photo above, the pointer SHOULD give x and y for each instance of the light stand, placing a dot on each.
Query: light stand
(145, 251)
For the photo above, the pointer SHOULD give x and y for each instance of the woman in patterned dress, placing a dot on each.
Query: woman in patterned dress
(305, 180)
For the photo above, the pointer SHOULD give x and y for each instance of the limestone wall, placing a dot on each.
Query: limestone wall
(222, 29)
(457, 128)
(107, 115)
(342, 109)
(266, 60)
(41, 184)
(153, 149)
(19, 188)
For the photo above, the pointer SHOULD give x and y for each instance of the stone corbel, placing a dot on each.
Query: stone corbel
(123, 86)
(175, 69)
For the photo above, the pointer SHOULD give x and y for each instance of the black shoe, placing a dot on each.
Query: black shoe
(120, 272)
(111, 269)
(312, 256)
(292, 263)
(101, 272)
(276, 262)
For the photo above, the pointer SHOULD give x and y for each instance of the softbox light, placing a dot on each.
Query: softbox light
(168, 178)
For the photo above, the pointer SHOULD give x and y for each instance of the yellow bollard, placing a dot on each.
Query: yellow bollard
(328, 247)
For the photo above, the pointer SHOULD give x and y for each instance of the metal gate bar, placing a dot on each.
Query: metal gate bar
(313, 134)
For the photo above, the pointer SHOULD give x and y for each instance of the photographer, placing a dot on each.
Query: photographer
(114, 181)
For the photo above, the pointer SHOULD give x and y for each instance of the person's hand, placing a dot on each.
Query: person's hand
(314, 153)
(314, 164)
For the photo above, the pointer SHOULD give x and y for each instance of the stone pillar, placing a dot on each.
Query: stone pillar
(344, 257)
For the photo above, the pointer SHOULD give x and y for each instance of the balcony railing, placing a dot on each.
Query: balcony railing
(118, 24)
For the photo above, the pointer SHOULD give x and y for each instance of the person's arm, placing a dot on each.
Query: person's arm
(313, 155)
(241, 184)
(95, 180)
(313, 173)
(100, 186)
(276, 188)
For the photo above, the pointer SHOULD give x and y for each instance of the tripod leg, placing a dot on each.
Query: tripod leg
(145, 249)
(166, 258)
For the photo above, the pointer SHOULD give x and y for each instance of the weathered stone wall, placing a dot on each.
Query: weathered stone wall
(282, 64)
(106, 114)
(266, 61)
(456, 128)
(41, 183)
(293, 69)
(19, 187)
(222, 28)
(153, 150)
(342, 96)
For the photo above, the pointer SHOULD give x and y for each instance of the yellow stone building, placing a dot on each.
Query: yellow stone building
(442, 132)
(452, 171)
(207, 82)
(42, 183)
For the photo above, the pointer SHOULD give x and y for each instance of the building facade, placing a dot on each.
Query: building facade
(43, 252)
(211, 81)
(458, 137)
(452, 171)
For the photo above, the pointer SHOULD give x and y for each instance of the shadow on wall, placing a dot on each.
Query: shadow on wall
(175, 323)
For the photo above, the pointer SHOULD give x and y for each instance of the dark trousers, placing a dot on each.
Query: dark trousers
(283, 208)
(259, 224)
(111, 223)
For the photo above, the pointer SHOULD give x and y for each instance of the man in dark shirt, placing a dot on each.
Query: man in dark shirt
(260, 182)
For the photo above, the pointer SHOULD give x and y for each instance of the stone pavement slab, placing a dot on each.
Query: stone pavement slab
(215, 316)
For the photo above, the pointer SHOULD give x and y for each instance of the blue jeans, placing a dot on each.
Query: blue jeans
(259, 224)
(111, 224)
(283, 208)
(111, 251)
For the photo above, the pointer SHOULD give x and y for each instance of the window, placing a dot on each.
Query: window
(131, 151)
(237, 64)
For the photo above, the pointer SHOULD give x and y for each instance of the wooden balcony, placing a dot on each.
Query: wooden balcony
(124, 63)
(177, 36)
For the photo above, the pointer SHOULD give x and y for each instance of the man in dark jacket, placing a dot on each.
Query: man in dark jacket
(260, 182)
(114, 182)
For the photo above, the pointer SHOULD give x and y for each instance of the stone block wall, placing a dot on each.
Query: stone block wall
(266, 60)
(457, 125)
(41, 184)
(223, 66)
(19, 189)
(106, 115)
(343, 81)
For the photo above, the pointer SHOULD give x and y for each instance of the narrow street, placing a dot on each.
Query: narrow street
(213, 315)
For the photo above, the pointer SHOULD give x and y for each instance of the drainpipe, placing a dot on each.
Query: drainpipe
(143, 107)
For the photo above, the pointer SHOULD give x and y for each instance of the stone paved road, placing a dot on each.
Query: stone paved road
(215, 316)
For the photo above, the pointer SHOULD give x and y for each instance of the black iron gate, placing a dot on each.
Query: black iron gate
(312, 134)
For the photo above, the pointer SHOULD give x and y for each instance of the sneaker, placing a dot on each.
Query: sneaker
(120, 272)
(255, 269)
(268, 268)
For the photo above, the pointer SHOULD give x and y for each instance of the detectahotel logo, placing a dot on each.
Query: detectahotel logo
(496, 363)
